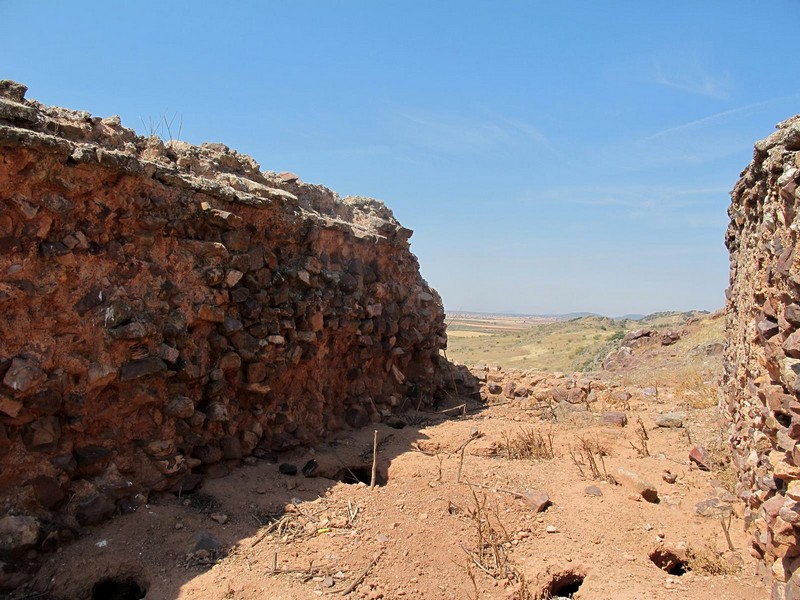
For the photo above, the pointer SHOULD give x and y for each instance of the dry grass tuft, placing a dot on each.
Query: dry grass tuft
(707, 560)
(697, 390)
(530, 444)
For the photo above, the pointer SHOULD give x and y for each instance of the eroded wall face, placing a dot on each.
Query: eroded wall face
(763, 351)
(169, 310)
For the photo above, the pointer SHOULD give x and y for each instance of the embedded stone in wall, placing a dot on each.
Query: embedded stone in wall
(169, 309)
(762, 356)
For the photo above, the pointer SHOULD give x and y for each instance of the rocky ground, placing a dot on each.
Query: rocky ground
(577, 486)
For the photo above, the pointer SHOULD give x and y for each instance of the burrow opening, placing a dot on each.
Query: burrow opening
(358, 474)
(563, 585)
(114, 588)
(668, 561)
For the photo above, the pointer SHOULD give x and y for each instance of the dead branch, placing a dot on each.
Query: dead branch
(359, 578)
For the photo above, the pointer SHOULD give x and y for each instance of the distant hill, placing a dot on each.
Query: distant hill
(630, 317)
(655, 317)
(566, 342)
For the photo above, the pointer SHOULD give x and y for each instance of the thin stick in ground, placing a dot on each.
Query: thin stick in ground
(374, 461)
(474, 435)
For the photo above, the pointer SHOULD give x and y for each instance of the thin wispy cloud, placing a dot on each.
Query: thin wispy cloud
(455, 134)
(714, 118)
(663, 205)
(718, 117)
(693, 77)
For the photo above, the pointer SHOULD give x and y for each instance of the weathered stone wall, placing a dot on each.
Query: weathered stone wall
(762, 357)
(169, 309)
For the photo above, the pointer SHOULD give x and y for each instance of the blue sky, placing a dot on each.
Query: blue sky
(550, 156)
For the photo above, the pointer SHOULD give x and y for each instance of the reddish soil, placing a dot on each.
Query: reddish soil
(419, 531)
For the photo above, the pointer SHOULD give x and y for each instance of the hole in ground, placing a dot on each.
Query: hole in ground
(563, 585)
(358, 474)
(118, 589)
(668, 561)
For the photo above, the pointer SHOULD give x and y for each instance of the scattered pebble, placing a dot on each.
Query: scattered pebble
(669, 476)
(220, 518)
(593, 490)
(552, 529)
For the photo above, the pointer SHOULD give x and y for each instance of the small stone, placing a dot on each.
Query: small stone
(699, 456)
(48, 492)
(669, 476)
(615, 418)
(767, 328)
(287, 469)
(203, 540)
(671, 420)
(537, 500)
(23, 374)
(143, 367)
(217, 413)
(310, 468)
(232, 277)
(593, 490)
(635, 481)
(18, 534)
(9, 406)
(220, 518)
(552, 529)
(95, 509)
(180, 407)
(214, 314)
(712, 507)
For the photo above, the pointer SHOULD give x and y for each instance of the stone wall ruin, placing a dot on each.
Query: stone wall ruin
(168, 310)
(762, 356)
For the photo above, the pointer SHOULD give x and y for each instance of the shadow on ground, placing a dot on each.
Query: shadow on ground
(154, 552)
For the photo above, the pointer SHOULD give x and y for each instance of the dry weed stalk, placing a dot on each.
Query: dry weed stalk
(641, 433)
(530, 444)
(587, 455)
(489, 554)
(439, 458)
(550, 413)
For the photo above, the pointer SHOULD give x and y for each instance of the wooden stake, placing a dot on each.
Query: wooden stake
(374, 461)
